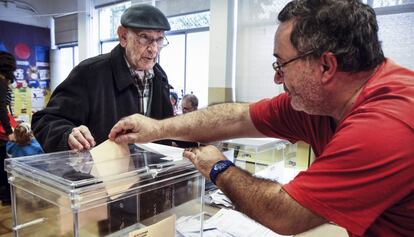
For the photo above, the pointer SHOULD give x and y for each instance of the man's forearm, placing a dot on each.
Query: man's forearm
(218, 122)
(266, 202)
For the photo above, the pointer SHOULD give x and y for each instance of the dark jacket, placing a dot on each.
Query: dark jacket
(4, 118)
(97, 93)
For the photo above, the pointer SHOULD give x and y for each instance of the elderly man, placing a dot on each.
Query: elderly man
(103, 89)
(352, 105)
(189, 103)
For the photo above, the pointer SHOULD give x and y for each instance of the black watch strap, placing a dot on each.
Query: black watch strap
(219, 167)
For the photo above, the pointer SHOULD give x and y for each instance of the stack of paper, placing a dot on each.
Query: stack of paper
(217, 197)
(225, 223)
(234, 223)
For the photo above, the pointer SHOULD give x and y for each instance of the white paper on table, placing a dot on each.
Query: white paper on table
(278, 172)
(272, 172)
(189, 226)
(237, 224)
(218, 197)
(171, 153)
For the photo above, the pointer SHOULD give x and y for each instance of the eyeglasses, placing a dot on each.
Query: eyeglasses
(187, 109)
(145, 40)
(278, 67)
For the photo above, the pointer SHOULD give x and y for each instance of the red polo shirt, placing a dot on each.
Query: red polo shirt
(363, 177)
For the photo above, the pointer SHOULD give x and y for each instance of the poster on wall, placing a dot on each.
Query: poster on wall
(30, 45)
(22, 103)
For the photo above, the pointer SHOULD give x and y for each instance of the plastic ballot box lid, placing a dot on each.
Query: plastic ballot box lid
(254, 144)
(84, 179)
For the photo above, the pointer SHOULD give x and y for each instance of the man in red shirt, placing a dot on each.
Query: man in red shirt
(352, 105)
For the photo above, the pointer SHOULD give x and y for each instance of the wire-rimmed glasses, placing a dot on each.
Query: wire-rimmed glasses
(278, 66)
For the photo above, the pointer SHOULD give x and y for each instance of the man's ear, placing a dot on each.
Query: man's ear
(328, 66)
(122, 35)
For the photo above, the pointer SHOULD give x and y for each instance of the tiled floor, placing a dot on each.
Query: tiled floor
(5, 221)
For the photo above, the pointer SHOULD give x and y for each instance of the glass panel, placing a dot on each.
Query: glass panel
(257, 23)
(255, 34)
(387, 3)
(254, 57)
(190, 21)
(397, 35)
(109, 20)
(260, 10)
(172, 60)
(66, 54)
(197, 66)
(108, 46)
(75, 55)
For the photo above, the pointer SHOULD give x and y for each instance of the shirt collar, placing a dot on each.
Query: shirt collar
(139, 73)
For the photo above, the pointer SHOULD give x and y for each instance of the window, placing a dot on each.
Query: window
(186, 59)
(257, 23)
(65, 58)
(172, 60)
(70, 57)
(395, 18)
(190, 21)
(197, 66)
(388, 3)
(109, 20)
(107, 46)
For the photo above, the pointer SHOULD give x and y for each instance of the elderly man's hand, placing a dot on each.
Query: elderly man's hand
(204, 158)
(136, 128)
(81, 139)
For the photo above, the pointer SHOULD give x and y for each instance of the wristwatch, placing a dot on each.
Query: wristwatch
(219, 167)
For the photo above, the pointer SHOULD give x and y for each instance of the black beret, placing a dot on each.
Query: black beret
(144, 16)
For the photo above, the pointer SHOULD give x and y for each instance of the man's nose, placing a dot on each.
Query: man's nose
(152, 47)
(278, 79)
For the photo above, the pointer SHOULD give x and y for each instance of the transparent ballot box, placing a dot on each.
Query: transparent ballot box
(270, 158)
(72, 194)
(255, 154)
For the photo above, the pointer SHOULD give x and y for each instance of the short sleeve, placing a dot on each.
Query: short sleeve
(363, 171)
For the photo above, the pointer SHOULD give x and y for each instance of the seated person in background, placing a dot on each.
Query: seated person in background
(189, 103)
(25, 144)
